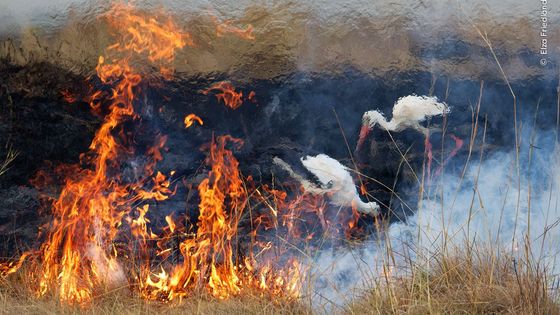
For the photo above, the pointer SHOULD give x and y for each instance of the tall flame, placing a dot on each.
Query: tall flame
(208, 256)
(77, 255)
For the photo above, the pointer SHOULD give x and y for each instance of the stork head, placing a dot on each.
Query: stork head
(371, 208)
(365, 129)
(369, 120)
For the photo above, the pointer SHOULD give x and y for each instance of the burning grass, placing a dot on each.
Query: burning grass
(467, 280)
(16, 298)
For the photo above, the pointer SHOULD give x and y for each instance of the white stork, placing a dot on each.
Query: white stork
(335, 181)
(408, 112)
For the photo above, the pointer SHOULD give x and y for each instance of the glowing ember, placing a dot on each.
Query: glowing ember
(227, 27)
(191, 118)
(458, 145)
(252, 96)
(68, 96)
(429, 154)
(364, 133)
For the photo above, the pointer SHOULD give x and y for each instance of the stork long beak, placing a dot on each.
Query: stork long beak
(364, 132)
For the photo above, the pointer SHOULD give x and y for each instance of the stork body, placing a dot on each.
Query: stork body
(335, 180)
(408, 112)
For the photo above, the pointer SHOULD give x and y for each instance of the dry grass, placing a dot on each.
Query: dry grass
(15, 300)
(466, 282)
(123, 304)
(11, 155)
(461, 282)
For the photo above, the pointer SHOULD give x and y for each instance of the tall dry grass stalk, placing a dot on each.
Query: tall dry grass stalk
(11, 155)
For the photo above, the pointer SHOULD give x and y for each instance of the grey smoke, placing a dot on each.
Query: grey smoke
(486, 206)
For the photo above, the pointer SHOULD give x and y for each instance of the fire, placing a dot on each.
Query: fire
(458, 145)
(12, 266)
(429, 154)
(191, 118)
(363, 189)
(252, 96)
(78, 254)
(170, 223)
(99, 208)
(216, 228)
(209, 259)
(226, 93)
(142, 34)
(364, 133)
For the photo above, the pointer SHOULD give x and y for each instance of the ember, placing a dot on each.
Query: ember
(227, 28)
(191, 118)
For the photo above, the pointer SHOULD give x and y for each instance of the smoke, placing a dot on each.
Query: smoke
(501, 200)
(108, 269)
(489, 204)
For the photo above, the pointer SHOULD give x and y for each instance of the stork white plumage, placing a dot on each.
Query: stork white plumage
(335, 180)
(408, 112)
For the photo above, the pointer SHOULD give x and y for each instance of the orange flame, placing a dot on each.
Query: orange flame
(12, 266)
(191, 118)
(226, 93)
(76, 257)
(208, 256)
(81, 253)
(143, 34)
(172, 225)
(363, 189)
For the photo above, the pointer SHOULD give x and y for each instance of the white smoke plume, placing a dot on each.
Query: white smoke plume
(108, 269)
(490, 205)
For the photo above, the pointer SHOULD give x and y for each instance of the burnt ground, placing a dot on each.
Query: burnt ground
(293, 116)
